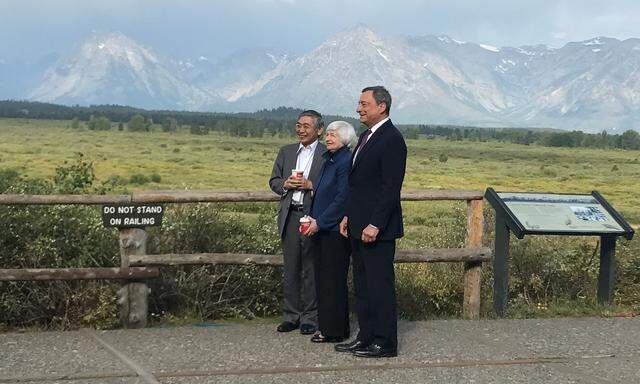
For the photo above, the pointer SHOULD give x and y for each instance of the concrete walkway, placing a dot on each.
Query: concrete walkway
(571, 350)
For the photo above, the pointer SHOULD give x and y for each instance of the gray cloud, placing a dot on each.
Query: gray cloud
(193, 27)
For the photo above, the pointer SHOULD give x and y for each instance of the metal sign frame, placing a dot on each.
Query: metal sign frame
(507, 222)
(520, 230)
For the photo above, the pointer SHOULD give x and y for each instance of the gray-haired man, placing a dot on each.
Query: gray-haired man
(300, 306)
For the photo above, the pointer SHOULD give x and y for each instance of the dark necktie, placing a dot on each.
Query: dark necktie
(362, 140)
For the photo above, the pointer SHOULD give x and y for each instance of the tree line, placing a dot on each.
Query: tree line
(279, 121)
(99, 117)
(550, 138)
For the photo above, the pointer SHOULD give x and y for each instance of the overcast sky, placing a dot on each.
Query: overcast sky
(189, 28)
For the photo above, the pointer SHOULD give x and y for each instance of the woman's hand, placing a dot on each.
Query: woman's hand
(343, 227)
(313, 228)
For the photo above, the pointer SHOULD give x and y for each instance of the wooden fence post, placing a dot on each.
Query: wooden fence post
(133, 296)
(473, 269)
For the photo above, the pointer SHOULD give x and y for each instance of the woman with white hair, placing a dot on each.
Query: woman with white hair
(331, 250)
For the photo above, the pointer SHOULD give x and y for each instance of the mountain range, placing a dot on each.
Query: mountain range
(591, 85)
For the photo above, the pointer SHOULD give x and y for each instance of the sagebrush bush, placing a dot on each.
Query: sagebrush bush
(544, 269)
(139, 178)
(73, 236)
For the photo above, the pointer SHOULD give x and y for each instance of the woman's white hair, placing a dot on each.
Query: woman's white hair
(345, 131)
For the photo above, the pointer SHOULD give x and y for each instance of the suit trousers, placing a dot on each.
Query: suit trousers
(331, 262)
(375, 291)
(300, 304)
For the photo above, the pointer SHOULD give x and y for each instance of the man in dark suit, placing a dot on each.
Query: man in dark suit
(296, 194)
(373, 222)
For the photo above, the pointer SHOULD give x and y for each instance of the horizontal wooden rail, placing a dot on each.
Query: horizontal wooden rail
(209, 196)
(402, 256)
(78, 273)
(63, 199)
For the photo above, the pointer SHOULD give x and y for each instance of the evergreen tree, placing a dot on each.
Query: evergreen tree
(138, 124)
(170, 125)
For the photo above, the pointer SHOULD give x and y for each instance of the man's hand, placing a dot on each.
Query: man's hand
(369, 234)
(306, 184)
(298, 183)
(313, 228)
(343, 226)
(292, 183)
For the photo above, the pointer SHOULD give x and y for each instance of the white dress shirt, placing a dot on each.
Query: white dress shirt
(305, 159)
(373, 130)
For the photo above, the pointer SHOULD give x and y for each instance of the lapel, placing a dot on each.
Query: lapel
(318, 160)
(372, 140)
(329, 159)
(326, 157)
(290, 161)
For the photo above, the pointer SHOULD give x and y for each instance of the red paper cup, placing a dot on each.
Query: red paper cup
(297, 173)
(305, 223)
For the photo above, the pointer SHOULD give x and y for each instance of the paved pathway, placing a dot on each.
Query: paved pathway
(572, 350)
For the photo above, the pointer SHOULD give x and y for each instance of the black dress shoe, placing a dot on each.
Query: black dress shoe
(307, 329)
(351, 346)
(376, 350)
(287, 326)
(320, 338)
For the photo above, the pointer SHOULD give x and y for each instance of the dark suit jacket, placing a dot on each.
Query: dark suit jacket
(330, 196)
(375, 182)
(285, 162)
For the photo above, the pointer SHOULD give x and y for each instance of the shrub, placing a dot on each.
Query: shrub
(443, 158)
(73, 236)
(139, 123)
(543, 270)
(74, 177)
(100, 123)
(114, 180)
(139, 178)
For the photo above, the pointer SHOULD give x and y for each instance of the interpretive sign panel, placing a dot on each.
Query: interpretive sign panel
(132, 215)
(554, 214)
(561, 214)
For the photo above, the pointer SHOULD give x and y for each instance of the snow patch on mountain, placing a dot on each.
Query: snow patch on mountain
(490, 48)
(112, 68)
(433, 79)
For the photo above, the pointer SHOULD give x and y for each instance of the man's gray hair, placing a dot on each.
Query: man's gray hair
(317, 117)
(380, 95)
(345, 131)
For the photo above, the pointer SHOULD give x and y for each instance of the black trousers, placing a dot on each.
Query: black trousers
(331, 264)
(375, 291)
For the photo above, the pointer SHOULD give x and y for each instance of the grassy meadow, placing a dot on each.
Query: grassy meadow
(216, 161)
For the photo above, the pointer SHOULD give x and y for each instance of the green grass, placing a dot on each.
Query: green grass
(216, 161)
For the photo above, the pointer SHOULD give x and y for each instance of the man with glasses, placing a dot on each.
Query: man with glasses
(296, 193)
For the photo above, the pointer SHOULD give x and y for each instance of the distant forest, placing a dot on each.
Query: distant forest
(280, 121)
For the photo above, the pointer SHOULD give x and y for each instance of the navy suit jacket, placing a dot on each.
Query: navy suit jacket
(330, 197)
(374, 184)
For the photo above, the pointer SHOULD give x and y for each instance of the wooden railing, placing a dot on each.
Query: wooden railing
(137, 265)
